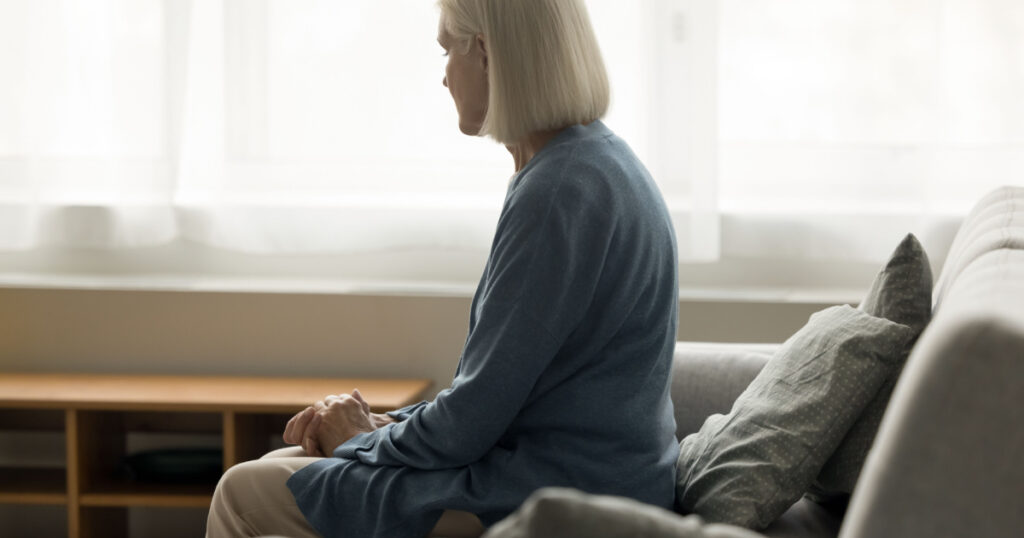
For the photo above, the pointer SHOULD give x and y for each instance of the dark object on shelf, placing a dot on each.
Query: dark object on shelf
(175, 465)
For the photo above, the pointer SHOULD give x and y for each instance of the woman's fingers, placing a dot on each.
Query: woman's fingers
(309, 442)
(302, 428)
(319, 406)
(296, 427)
(362, 402)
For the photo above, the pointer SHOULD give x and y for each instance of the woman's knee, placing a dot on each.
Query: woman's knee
(253, 498)
(242, 476)
(286, 452)
(265, 477)
(251, 485)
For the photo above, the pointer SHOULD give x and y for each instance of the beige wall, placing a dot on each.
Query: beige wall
(280, 334)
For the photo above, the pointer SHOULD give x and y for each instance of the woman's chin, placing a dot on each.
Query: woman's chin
(470, 129)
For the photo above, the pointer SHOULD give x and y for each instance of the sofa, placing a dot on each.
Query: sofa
(948, 458)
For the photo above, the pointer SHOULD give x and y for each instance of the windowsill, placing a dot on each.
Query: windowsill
(763, 260)
(772, 294)
(394, 288)
(209, 284)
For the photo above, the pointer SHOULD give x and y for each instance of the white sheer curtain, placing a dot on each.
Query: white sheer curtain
(845, 124)
(271, 126)
(791, 129)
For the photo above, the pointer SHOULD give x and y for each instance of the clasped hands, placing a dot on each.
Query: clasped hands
(325, 425)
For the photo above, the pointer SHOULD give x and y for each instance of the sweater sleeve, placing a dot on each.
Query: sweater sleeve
(545, 261)
(404, 412)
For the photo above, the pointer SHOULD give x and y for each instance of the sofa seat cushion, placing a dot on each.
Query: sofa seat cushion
(569, 513)
(807, 519)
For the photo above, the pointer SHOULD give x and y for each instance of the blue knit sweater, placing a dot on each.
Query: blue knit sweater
(564, 378)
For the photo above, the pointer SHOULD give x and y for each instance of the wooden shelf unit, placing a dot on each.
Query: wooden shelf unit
(96, 413)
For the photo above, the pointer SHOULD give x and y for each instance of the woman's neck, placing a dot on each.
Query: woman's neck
(524, 151)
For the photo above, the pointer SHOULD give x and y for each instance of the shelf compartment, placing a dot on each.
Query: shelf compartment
(248, 436)
(32, 419)
(171, 422)
(103, 437)
(25, 485)
(144, 494)
(32, 520)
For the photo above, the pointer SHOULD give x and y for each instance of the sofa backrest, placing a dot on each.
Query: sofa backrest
(707, 379)
(995, 222)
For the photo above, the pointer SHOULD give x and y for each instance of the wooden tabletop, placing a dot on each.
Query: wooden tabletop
(197, 393)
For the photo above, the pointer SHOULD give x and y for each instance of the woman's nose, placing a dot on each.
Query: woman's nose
(445, 81)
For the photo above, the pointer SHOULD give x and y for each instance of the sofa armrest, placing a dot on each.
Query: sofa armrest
(947, 459)
(708, 377)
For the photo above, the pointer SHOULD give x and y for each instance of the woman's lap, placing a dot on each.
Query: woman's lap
(252, 498)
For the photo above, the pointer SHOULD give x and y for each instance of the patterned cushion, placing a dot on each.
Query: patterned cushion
(749, 466)
(902, 292)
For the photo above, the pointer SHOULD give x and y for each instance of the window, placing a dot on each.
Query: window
(314, 137)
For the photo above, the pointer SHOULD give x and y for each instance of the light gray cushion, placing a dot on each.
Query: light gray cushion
(902, 292)
(568, 513)
(748, 467)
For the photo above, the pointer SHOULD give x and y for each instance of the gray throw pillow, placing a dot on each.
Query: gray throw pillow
(747, 467)
(902, 292)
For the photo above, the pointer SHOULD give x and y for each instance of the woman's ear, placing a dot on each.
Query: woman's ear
(480, 44)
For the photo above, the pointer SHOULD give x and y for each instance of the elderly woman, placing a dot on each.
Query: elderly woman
(564, 378)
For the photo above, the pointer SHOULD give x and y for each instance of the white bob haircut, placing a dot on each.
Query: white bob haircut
(544, 67)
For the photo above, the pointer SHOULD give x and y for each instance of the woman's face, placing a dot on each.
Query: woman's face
(466, 78)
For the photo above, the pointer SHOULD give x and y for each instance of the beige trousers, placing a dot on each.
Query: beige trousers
(252, 500)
